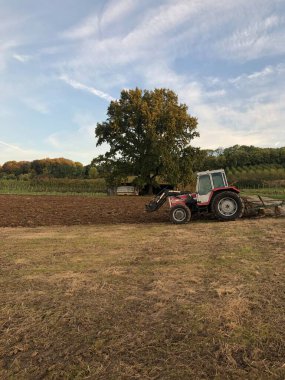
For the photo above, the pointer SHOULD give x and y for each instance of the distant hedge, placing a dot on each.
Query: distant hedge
(53, 185)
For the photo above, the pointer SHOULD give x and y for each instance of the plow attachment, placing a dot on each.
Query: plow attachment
(257, 205)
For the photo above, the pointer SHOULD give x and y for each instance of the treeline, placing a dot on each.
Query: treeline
(45, 168)
(247, 166)
(241, 156)
(243, 164)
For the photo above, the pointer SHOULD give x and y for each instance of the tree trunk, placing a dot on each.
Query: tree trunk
(150, 189)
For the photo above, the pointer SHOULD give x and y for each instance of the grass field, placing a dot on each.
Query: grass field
(199, 301)
(271, 192)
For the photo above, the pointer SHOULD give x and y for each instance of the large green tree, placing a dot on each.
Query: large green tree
(149, 134)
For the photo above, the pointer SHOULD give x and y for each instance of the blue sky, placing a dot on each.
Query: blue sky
(61, 62)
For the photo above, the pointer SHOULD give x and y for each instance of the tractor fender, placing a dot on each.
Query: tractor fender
(174, 201)
(216, 191)
(181, 200)
(220, 190)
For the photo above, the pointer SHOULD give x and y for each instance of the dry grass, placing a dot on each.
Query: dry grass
(201, 301)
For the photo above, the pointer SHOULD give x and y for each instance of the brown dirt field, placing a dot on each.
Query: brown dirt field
(45, 210)
(53, 210)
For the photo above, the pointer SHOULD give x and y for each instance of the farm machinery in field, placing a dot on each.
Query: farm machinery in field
(213, 196)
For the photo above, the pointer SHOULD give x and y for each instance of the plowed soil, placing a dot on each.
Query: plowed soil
(42, 210)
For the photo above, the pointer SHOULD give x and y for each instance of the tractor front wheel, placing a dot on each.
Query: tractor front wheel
(227, 206)
(180, 214)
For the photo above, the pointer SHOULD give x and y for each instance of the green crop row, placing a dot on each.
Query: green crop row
(257, 176)
(53, 186)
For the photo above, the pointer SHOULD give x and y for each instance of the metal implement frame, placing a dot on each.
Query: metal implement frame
(262, 204)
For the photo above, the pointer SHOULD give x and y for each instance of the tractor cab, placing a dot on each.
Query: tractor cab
(210, 181)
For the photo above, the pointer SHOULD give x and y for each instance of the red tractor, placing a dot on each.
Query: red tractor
(213, 195)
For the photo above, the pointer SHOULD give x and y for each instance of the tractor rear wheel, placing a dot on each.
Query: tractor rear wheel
(180, 214)
(227, 205)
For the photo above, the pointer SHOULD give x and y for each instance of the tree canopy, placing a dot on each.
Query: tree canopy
(149, 134)
(241, 156)
(47, 167)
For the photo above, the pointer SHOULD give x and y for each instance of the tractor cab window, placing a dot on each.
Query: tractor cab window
(205, 185)
(218, 180)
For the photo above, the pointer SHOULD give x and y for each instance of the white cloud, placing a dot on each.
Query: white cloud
(86, 29)
(9, 154)
(6, 48)
(165, 32)
(94, 24)
(215, 94)
(128, 43)
(80, 138)
(22, 57)
(80, 86)
(260, 74)
(265, 73)
(241, 117)
(162, 20)
(13, 152)
(11, 34)
(117, 10)
(78, 144)
(147, 40)
(11, 146)
(72, 140)
(261, 37)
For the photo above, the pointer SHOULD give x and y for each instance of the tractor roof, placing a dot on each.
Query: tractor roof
(211, 171)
